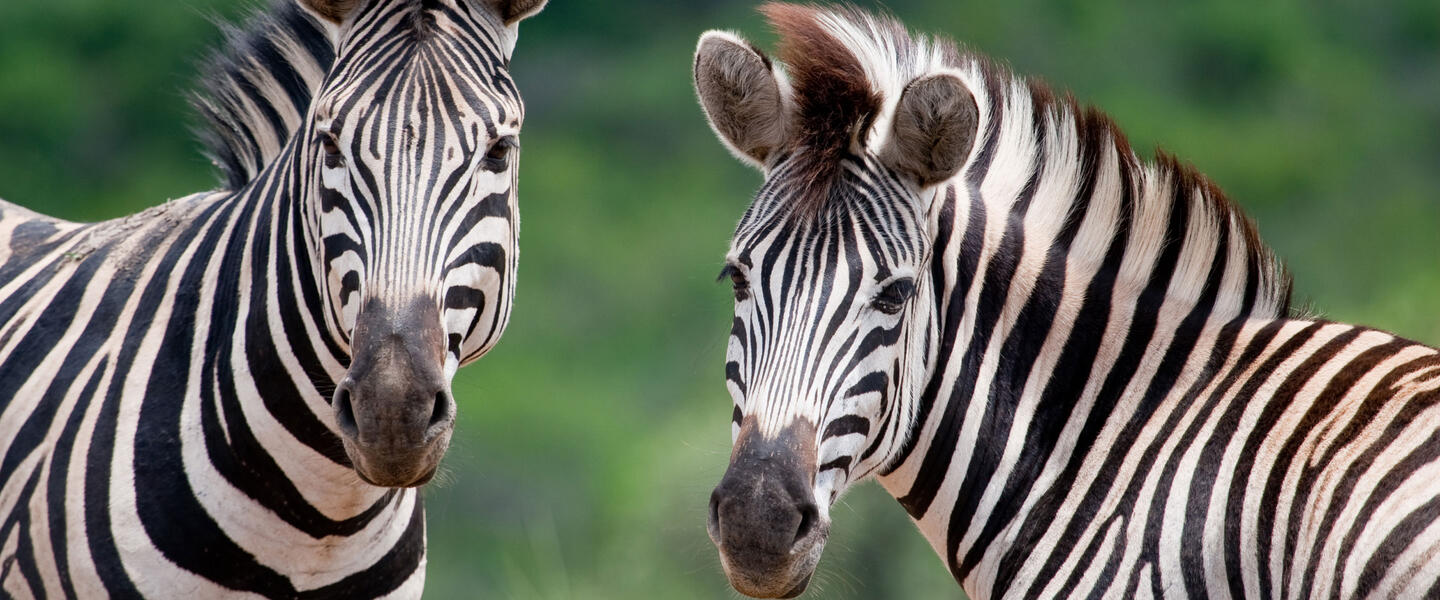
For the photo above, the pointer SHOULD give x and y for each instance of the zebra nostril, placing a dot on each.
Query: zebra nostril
(714, 520)
(345, 413)
(809, 515)
(442, 412)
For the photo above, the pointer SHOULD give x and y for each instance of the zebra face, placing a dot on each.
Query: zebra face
(415, 148)
(835, 317)
(826, 341)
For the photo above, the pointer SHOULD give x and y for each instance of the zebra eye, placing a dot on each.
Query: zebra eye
(333, 158)
(498, 156)
(893, 298)
(738, 280)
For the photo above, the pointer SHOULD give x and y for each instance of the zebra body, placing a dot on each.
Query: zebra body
(1076, 371)
(189, 393)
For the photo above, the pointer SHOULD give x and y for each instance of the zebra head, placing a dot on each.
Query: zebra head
(834, 312)
(412, 201)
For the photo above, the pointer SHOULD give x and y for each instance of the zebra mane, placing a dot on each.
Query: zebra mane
(256, 89)
(849, 68)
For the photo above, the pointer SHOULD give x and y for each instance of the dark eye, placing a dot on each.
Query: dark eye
(333, 158)
(498, 156)
(738, 280)
(893, 297)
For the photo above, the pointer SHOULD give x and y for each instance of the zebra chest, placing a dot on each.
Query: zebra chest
(142, 458)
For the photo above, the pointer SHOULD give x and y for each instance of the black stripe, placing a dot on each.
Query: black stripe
(952, 306)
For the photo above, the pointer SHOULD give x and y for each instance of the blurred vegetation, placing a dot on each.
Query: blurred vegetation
(590, 438)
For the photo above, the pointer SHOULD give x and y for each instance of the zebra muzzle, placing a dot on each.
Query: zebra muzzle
(393, 408)
(763, 515)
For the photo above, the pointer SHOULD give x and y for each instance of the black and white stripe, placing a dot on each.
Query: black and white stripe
(166, 378)
(1096, 388)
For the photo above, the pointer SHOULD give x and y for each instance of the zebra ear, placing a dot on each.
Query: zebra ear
(514, 11)
(933, 129)
(741, 94)
(334, 11)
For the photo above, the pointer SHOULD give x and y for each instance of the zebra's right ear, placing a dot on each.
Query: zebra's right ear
(333, 11)
(742, 96)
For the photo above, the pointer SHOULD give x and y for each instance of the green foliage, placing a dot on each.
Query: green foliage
(591, 437)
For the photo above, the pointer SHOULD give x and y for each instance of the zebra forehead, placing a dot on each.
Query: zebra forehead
(871, 215)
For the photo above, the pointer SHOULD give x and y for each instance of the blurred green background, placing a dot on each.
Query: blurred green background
(590, 438)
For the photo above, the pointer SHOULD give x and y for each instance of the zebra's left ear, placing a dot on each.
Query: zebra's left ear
(515, 11)
(933, 129)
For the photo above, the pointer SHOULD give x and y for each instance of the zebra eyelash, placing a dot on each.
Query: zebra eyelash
(737, 279)
(334, 159)
(497, 157)
(892, 298)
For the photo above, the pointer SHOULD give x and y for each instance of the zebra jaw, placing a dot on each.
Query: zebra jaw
(763, 515)
(393, 408)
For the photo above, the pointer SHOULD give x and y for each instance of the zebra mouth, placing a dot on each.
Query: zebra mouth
(787, 581)
(395, 469)
(799, 588)
(417, 482)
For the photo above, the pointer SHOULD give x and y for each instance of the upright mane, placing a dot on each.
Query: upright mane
(257, 88)
(849, 69)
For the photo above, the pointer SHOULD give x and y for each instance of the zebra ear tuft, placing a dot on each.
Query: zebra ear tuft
(514, 11)
(933, 129)
(334, 11)
(741, 94)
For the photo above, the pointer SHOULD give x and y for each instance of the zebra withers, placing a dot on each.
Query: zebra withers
(1079, 373)
(237, 392)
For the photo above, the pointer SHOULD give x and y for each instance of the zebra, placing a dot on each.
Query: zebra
(1080, 373)
(238, 392)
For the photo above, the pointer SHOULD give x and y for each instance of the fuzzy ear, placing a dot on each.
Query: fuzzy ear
(933, 129)
(333, 11)
(741, 95)
(514, 11)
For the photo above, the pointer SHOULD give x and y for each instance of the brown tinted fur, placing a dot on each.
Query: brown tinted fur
(334, 10)
(832, 96)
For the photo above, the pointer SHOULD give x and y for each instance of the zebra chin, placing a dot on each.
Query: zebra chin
(763, 516)
(393, 408)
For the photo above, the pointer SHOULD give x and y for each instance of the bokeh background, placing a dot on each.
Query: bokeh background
(590, 438)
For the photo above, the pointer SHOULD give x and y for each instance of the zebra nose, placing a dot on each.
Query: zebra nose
(763, 516)
(393, 408)
(758, 514)
(400, 425)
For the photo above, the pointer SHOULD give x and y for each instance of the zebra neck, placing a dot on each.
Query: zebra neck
(1069, 280)
(286, 361)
